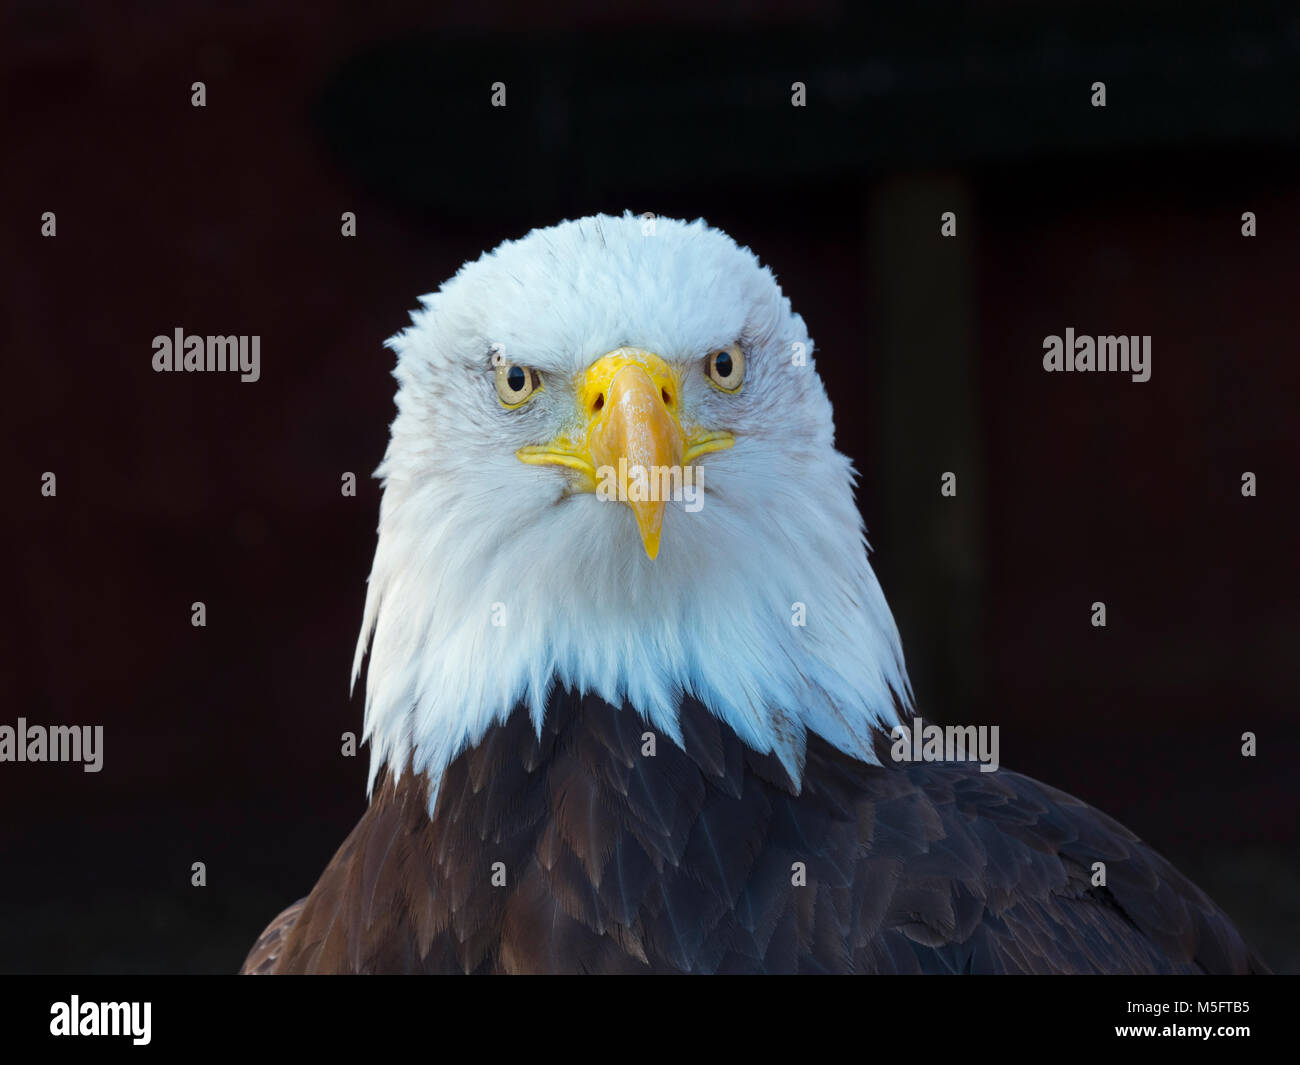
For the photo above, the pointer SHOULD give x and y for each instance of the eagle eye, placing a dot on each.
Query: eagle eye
(516, 384)
(726, 368)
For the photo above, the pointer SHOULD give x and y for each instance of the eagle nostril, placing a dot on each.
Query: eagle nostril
(668, 399)
(598, 402)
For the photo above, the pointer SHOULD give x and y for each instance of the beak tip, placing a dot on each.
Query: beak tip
(649, 521)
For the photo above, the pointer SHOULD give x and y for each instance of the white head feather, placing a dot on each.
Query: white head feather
(470, 536)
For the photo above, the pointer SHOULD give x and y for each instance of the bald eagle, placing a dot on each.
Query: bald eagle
(632, 677)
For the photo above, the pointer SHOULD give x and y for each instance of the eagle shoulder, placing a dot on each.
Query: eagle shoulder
(262, 958)
(573, 850)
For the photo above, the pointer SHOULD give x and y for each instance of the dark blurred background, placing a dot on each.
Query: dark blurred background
(223, 743)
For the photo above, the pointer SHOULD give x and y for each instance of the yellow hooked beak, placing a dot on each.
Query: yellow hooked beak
(626, 431)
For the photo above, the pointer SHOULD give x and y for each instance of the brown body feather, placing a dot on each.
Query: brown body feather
(687, 862)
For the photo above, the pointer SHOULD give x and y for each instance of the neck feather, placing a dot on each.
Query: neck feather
(481, 604)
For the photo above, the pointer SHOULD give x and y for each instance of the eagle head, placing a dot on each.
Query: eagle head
(613, 469)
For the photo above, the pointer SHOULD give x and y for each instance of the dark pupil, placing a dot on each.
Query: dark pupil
(723, 364)
(515, 379)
